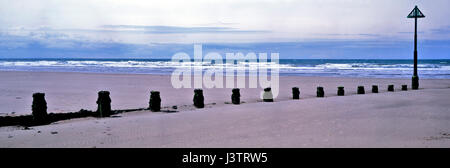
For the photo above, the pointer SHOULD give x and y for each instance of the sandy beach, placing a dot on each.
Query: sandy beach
(413, 118)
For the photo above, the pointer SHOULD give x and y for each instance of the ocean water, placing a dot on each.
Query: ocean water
(434, 69)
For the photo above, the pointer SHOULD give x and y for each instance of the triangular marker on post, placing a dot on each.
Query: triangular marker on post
(416, 13)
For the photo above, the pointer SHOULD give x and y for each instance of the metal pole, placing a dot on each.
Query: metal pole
(415, 47)
(415, 78)
(415, 13)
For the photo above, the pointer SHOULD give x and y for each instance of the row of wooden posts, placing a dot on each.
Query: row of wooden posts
(39, 105)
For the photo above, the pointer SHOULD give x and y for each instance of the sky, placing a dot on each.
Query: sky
(302, 29)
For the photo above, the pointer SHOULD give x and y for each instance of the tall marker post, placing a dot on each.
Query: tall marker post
(415, 13)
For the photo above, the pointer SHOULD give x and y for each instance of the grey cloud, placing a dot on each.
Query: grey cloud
(177, 29)
(349, 34)
(442, 30)
(411, 32)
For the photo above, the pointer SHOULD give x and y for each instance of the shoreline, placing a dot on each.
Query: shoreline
(168, 74)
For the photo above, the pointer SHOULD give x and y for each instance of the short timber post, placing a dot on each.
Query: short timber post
(39, 108)
(267, 95)
(361, 90)
(404, 87)
(155, 101)
(236, 96)
(374, 88)
(199, 100)
(295, 93)
(320, 92)
(340, 91)
(104, 104)
(390, 88)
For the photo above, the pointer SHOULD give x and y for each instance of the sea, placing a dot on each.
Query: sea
(367, 68)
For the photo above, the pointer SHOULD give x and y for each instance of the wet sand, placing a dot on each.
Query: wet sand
(418, 118)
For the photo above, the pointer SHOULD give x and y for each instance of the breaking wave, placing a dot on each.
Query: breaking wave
(350, 68)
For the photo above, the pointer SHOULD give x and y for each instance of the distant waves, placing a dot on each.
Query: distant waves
(286, 67)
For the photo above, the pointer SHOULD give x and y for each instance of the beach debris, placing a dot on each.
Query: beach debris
(374, 88)
(404, 87)
(340, 91)
(28, 120)
(320, 92)
(267, 95)
(199, 100)
(295, 93)
(39, 108)
(104, 104)
(175, 107)
(236, 96)
(155, 101)
(390, 88)
(442, 136)
(361, 90)
(54, 132)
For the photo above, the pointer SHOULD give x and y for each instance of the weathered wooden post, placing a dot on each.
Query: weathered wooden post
(199, 100)
(415, 13)
(361, 90)
(404, 87)
(295, 93)
(39, 108)
(374, 88)
(320, 92)
(390, 88)
(155, 101)
(340, 91)
(267, 95)
(235, 96)
(104, 104)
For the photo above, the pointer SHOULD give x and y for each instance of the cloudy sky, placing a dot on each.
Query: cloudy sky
(157, 29)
